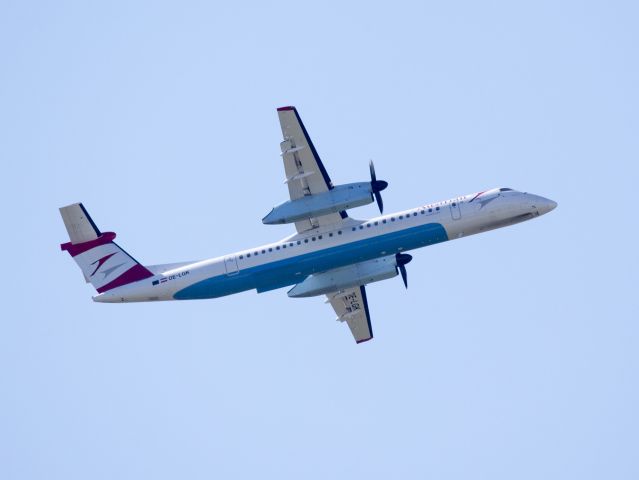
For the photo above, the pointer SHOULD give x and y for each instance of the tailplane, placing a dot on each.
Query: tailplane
(104, 264)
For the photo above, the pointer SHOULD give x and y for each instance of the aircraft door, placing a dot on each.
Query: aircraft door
(230, 263)
(455, 211)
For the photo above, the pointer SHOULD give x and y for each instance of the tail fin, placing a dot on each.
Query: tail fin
(101, 260)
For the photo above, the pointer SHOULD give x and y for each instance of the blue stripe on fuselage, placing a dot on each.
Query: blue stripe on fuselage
(290, 271)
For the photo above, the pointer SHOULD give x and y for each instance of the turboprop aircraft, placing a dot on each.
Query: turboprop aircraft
(330, 254)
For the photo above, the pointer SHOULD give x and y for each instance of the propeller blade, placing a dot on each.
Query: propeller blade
(402, 270)
(371, 167)
(377, 186)
(380, 202)
(402, 259)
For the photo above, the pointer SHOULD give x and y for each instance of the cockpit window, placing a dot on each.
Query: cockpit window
(505, 189)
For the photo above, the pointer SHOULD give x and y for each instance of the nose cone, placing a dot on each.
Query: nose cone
(545, 205)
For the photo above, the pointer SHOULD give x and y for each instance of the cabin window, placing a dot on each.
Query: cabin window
(414, 214)
(361, 227)
(339, 232)
(392, 219)
(270, 249)
(384, 221)
(430, 210)
(313, 238)
(437, 208)
(319, 238)
(255, 253)
(368, 225)
(354, 229)
(306, 240)
(330, 234)
(376, 223)
(277, 248)
(241, 257)
(454, 204)
(299, 242)
(263, 252)
(284, 246)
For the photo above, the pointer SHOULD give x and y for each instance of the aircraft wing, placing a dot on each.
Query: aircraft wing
(351, 307)
(305, 172)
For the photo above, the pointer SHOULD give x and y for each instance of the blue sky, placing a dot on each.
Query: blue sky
(512, 355)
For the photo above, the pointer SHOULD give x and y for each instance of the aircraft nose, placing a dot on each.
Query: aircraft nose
(545, 205)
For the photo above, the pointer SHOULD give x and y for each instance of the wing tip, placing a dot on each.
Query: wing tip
(363, 340)
(283, 109)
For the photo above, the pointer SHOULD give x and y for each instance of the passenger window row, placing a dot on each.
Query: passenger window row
(422, 211)
(392, 219)
(285, 245)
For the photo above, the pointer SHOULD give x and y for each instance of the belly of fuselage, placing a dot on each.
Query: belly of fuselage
(289, 271)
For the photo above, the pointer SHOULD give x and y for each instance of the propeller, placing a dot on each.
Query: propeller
(402, 259)
(377, 186)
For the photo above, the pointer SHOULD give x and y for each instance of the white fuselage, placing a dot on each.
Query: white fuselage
(292, 259)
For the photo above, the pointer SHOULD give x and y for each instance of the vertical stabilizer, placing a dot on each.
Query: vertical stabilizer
(79, 224)
(102, 261)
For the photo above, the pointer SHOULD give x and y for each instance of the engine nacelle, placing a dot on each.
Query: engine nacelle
(346, 277)
(341, 197)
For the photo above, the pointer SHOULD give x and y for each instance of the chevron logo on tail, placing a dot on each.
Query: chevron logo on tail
(101, 262)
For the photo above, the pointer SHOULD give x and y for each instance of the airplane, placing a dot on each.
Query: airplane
(330, 254)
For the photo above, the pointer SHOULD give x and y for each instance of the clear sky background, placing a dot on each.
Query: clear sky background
(513, 354)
